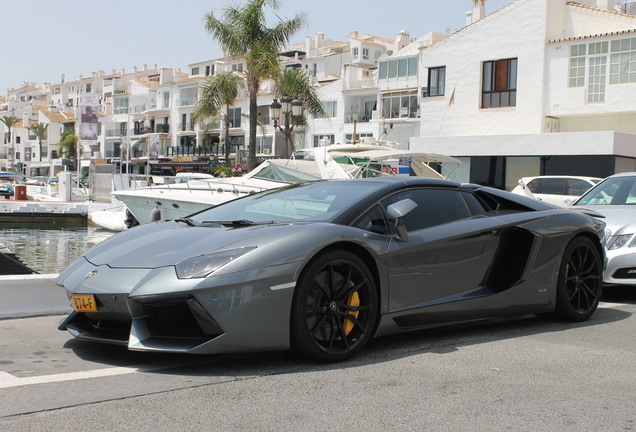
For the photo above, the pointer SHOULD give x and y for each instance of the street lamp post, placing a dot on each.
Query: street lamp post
(291, 111)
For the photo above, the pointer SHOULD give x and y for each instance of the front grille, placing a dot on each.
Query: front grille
(625, 273)
(184, 318)
(94, 326)
(171, 320)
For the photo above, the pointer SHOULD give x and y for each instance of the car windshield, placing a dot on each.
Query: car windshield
(305, 202)
(613, 191)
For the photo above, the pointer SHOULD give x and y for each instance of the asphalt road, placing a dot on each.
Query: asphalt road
(528, 374)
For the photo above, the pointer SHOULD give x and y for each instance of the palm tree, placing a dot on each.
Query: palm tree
(216, 92)
(40, 131)
(9, 122)
(244, 33)
(296, 84)
(68, 146)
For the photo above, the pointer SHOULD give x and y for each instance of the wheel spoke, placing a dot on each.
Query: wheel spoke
(323, 285)
(356, 308)
(354, 287)
(354, 320)
(590, 291)
(342, 333)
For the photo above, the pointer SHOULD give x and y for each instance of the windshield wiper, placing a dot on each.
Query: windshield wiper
(238, 223)
(187, 221)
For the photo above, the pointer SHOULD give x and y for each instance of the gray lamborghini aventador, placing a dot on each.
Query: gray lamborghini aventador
(322, 267)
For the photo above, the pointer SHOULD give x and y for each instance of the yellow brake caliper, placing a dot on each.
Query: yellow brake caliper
(353, 301)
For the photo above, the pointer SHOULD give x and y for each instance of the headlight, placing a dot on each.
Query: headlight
(619, 241)
(202, 265)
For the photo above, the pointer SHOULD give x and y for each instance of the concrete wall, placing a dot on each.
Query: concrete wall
(31, 295)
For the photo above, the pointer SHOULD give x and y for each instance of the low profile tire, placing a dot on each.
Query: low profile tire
(580, 283)
(335, 308)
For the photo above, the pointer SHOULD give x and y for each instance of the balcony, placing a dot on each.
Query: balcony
(186, 102)
(116, 132)
(357, 116)
(206, 150)
(160, 128)
(186, 127)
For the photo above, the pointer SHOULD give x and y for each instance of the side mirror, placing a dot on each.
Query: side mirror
(396, 213)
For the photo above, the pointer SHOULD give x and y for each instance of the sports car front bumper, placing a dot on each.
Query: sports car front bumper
(154, 310)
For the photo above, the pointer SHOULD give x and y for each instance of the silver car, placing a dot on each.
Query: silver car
(323, 267)
(615, 198)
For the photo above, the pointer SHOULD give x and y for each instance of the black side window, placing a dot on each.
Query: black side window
(475, 206)
(373, 221)
(434, 207)
(550, 186)
(577, 187)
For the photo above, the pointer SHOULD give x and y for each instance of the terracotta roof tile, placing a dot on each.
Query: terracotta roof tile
(147, 83)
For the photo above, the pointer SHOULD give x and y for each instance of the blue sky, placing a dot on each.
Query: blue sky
(45, 39)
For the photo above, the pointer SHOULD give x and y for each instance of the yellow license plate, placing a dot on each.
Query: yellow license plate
(83, 302)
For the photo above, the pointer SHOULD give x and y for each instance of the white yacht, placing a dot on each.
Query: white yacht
(172, 201)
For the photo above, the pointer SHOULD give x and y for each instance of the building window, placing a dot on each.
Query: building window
(165, 100)
(596, 84)
(120, 105)
(402, 67)
(393, 69)
(397, 68)
(195, 71)
(235, 117)
(188, 96)
(264, 145)
(365, 53)
(383, 70)
(436, 81)
(325, 138)
(331, 108)
(400, 104)
(208, 69)
(349, 137)
(623, 61)
(499, 86)
(577, 65)
(412, 66)
(355, 52)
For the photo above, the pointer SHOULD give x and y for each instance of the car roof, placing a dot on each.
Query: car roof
(623, 174)
(527, 179)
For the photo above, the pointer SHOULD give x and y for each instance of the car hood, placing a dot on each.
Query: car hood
(616, 216)
(168, 243)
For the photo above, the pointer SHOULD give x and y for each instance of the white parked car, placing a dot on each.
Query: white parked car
(615, 198)
(558, 190)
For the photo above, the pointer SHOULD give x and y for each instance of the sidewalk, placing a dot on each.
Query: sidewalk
(31, 295)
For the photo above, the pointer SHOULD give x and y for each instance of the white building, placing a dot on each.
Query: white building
(537, 87)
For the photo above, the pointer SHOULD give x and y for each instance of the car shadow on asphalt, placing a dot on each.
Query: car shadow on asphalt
(437, 340)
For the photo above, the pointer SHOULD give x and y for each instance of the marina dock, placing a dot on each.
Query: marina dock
(68, 212)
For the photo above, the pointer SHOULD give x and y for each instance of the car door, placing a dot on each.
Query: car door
(450, 248)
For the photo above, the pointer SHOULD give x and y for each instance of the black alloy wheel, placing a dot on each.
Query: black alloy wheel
(580, 283)
(335, 308)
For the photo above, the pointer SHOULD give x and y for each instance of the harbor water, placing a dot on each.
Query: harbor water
(50, 248)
